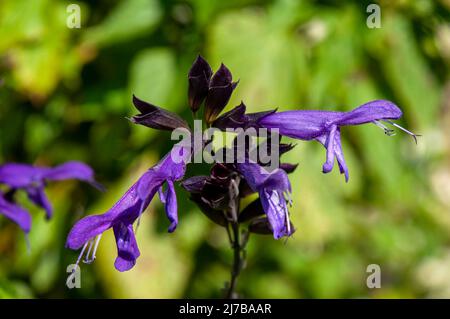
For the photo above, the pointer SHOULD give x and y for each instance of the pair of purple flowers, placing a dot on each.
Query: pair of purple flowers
(217, 194)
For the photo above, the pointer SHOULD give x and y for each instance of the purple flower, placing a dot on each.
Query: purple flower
(324, 126)
(15, 213)
(129, 208)
(33, 179)
(274, 190)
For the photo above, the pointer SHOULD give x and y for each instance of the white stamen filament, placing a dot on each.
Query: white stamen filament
(96, 245)
(280, 207)
(391, 132)
(414, 136)
(387, 131)
(86, 260)
(81, 254)
(92, 250)
(288, 223)
(288, 197)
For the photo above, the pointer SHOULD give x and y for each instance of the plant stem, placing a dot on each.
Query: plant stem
(237, 261)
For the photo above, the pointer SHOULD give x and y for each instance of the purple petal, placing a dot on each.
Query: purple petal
(171, 167)
(334, 150)
(21, 175)
(340, 155)
(148, 185)
(127, 249)
(70, 170)
(278, 180)
(276, 210)
(15, 213)
(87, 228)
(304, 125)
(24, 175)
(329, 145)
(169, 198)
(371, 111)
(253, 174)
(37, 196)
(126, 210)
(171, 206)
(258, 177)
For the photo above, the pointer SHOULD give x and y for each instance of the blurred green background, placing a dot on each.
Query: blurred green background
(67, 93)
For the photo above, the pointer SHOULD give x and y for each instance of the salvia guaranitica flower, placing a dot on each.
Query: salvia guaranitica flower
(324, 126)
(32, 179)
(86, 233)
(274, 191)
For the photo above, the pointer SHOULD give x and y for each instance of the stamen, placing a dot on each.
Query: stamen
(81, 254)
(276, 202)
(287, 196)
(288, 223)
(414, 136)
(96, 245)
(92, 250)
(387, 131)
(86, 257)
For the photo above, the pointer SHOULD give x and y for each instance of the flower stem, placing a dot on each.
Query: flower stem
(237, 243)
(237, 261)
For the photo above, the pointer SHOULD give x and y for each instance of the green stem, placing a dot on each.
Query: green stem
(237, 262)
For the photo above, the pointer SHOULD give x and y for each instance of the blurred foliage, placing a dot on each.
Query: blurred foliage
(67, 93)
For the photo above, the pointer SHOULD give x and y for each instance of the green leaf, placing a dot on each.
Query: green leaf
(129, 19)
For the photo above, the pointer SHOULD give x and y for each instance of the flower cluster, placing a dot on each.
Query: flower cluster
(218, 193)
(32, 180)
